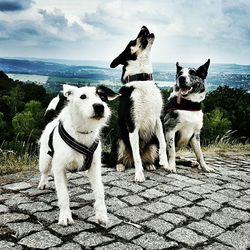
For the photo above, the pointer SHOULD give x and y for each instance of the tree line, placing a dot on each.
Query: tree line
(22, 108)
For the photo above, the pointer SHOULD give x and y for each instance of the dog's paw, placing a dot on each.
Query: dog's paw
(43, 185)
(65, 218)
(150, 167)
(194, 164)
(139, 176)
(102, 217)
(170, 168)
(120, 167)
(208, 169)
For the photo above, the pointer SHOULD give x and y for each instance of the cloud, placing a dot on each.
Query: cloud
(15, 5)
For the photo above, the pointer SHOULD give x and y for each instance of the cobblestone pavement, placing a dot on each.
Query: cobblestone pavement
(187, 210)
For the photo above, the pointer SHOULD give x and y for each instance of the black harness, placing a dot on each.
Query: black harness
(183, 105)
(138, 77)
(88, 152)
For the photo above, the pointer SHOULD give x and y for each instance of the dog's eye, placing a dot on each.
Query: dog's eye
(83, 96)
(103, 98)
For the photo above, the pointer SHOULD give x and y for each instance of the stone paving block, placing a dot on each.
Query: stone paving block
(67, 246)
(120, 246)
(167, 188)
(195, 212)
(206, 228)
(175, 219)
(11, 217)
(240, 204)
(217, 246)
(133, 199)
(231, 193)
(176, 200)
(210, 204)
(211, 187)
(3, 209)
(34, 191)
(158, 225)
(24, 228)
(89, 197)
(222, 219)
(186, 179)
(134, 214)
(115, 204)
(17, 186)
(198, 190)
(117, 192)
(128, 186)
(236, 213)
(80, 181)
(157, 207)
(151, 193)
(153, 241)
(47, 197)
(84, 212)
(186, 236)
(127, 232)
(189, 196)
(180, 184)
(5, 245)
(91, 239)
(149, 183)
(231, 186)
(48, 217)
(220, 198)
(77, 227)
(34, 207)
(17, 199)
(245, 198)
(43, 239)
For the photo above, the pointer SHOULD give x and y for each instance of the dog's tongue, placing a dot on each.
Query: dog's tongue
(179, 97)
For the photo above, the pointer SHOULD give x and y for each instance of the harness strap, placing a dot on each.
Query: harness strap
(88, 152)
(138, 77)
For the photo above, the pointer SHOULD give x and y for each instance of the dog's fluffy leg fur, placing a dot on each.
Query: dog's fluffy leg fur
(94, 174)
(134, 141)
(58, 169)
(195, 143)
(162, 144)
(170, 137)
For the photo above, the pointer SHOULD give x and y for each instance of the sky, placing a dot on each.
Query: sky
(185, 30)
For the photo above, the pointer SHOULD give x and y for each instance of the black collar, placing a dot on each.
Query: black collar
(138, 77)
(80, 148)
(183, 105)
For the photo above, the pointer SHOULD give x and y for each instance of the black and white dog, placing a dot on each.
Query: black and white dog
(139, 110)
(183, 117)
(71, 141)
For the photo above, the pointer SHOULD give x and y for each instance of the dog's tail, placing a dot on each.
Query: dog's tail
(54, 108)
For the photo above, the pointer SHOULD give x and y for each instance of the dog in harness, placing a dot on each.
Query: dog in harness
(71, 141)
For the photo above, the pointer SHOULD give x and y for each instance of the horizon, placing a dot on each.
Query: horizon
(99, 30)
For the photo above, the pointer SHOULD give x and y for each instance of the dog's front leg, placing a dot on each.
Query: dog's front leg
(65, 216)
(195, 143)
(170, 138)
(95, 177)
(162, 144)
(134, 142)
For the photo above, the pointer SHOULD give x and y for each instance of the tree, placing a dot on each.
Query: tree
(28, 124)
(215, 125)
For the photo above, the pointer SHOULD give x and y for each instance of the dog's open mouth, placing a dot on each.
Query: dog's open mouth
(184, 91)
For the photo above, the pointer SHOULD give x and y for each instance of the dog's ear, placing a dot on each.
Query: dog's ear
(116, 61)
(202, 70)
(107, 92)
(178, 67)
(68, 90)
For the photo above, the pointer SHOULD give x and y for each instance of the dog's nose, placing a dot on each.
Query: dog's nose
(182, 80)
(98, 108)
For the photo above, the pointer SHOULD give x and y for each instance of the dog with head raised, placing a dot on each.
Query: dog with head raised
(183, 117)
(139, 109)
(71, 141)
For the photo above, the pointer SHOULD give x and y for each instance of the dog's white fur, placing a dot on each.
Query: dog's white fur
(76, 118)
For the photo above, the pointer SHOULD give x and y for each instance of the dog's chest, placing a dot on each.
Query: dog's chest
(190, 122)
